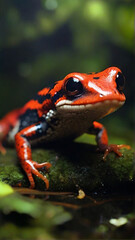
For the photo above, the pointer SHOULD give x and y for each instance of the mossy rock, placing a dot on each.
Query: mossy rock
(74, 166)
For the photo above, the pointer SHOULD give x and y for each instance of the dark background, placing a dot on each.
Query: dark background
(43, 40)
(40, 42)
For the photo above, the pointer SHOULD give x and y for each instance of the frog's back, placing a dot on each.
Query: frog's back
(29, 114)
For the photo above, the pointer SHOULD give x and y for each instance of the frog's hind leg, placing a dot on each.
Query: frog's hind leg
(7, 123)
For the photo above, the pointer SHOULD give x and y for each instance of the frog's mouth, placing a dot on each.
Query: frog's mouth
(97, 110)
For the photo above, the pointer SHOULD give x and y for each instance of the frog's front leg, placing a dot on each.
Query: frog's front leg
(23, 147)
(102, 140)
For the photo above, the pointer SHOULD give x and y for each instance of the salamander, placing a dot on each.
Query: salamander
(65, 111)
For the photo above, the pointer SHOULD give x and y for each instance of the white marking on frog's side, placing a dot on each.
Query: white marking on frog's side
(12, 133)
(51, 114)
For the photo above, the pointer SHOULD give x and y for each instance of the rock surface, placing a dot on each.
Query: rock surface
(74, 166)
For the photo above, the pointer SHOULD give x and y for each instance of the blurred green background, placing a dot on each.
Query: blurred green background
(40, 42)
(43, 40)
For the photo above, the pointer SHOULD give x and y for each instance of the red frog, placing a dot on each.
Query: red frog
(67, 110)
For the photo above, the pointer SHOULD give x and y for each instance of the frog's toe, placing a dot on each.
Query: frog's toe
(123, 146)
(43, 177)
(112, 148)
(31, 167)
(47, 165)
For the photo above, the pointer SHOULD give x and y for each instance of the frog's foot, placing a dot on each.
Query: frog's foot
(114, 148)
(2, 149)
(30, 167)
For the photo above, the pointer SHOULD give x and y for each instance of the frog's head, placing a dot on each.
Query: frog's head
(97, 92)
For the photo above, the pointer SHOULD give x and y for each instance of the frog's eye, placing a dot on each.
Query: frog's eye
(73, 87)
(120, 81)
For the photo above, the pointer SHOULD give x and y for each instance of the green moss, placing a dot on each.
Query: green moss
(76, 165)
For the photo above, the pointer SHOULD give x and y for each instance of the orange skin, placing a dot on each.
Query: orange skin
(21, 143)
(99, 93)
(102, 83)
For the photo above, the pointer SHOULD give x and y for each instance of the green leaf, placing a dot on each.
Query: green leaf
(5, 189)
